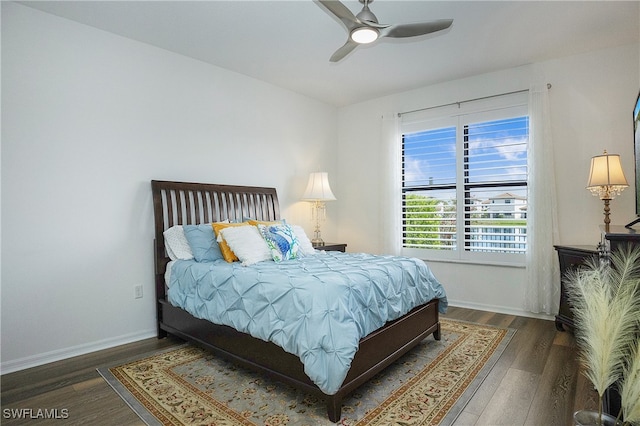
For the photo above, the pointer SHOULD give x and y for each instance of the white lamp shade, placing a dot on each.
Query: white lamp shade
(318, 188)
(606, 170)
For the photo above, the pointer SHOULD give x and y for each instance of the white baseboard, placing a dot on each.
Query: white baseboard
(60, 354)
(500, 310)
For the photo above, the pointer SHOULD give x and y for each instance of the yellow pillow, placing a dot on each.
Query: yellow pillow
(263, 222)
(226, 251)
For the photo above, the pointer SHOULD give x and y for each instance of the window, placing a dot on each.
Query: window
(464, 181)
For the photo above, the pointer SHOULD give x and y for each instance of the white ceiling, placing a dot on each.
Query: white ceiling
(288, 43)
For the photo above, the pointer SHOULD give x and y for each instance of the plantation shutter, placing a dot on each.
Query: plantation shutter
(464, 178)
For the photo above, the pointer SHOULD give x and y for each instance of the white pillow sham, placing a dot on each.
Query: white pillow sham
(176, 244)
(306, 248)
(247, 243)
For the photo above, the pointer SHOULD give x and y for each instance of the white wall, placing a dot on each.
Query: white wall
(591, 101)
(89, 118)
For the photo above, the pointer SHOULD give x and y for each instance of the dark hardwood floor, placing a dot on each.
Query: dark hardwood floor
(536, 381)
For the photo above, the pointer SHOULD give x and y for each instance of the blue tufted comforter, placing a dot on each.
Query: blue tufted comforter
(317, 307)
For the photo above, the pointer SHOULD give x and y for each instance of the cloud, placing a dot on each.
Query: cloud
(511, 149)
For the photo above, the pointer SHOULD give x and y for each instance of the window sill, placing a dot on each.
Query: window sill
(502, 264)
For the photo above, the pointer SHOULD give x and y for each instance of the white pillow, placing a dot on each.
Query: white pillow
(176, 243)
(247, 243)
(306, 248)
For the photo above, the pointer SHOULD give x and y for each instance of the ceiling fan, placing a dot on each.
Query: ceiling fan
(364, 27)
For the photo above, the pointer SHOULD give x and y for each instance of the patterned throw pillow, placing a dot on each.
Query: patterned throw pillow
(281, 240)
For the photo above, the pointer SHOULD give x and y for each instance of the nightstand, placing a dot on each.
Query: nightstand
(332, 247)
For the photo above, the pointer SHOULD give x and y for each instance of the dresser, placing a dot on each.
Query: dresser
(619, 236)
(570, 258)
(575, 256)
(615, 238)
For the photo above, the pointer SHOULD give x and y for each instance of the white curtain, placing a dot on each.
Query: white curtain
(391, 192)
(542, 293)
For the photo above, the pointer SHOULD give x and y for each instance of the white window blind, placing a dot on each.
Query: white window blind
(464, 180)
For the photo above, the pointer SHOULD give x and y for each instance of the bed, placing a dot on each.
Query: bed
(180, 203)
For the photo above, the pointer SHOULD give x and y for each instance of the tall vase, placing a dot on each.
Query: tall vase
(592, 418)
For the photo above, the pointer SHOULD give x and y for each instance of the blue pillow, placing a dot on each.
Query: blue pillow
(282, 241)
(203, 242)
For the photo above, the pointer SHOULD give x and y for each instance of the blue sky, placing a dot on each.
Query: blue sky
(430, 155)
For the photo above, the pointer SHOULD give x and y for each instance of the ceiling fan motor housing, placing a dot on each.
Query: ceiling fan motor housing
(367, 15)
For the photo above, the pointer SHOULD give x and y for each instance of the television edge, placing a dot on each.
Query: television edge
(636, 152)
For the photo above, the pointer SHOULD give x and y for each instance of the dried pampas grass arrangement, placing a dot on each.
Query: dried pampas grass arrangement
(605, 298)
(630, 388)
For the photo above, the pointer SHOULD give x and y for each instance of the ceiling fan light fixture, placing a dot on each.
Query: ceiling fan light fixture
(364, 27)
(364, 35)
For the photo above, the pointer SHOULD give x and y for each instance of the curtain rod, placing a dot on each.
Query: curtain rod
(468, 100)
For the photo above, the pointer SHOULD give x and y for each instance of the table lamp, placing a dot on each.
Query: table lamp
(318, 191)
(606, 180)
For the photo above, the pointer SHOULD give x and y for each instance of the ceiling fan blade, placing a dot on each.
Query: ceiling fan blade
(412, 30)
(340, 11)
(344, 50)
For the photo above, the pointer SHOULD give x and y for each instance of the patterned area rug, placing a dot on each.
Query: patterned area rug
(429, 385)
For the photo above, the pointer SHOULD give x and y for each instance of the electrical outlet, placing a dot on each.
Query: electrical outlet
(137, 291)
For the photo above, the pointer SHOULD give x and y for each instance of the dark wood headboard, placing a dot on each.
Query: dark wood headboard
(184, 203)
